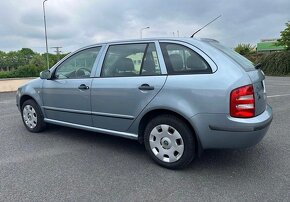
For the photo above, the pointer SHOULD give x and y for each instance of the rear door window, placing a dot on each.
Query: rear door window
(180, 59)
(127, 60)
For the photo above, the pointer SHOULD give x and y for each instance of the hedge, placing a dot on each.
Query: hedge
(23, 71)
(276, 64)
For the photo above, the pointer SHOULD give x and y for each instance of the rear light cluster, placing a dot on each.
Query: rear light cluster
(242, 102)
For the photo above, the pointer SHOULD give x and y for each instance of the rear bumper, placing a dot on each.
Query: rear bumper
(223, 131)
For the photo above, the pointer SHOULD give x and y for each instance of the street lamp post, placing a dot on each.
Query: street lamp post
(141, 30)
(47, 61)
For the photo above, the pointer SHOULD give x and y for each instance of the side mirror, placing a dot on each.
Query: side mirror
(45, 74)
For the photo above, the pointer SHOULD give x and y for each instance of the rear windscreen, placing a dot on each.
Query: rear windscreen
(246, 64)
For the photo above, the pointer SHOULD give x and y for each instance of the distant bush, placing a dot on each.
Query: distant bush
(255, 57)
(23, 71)
(245, 49)
(5, 74)
(24, 63)
(275, 64)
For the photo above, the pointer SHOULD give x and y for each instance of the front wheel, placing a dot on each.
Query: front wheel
(169, 141)
(32, 116)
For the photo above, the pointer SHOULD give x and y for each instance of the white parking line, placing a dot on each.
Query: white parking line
(277, 84)
(283, 95)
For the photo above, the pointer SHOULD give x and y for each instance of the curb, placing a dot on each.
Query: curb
(24, 78)
(11, 85)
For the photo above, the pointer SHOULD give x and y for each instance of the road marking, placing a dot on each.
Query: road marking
(283, 95)
(277, 84)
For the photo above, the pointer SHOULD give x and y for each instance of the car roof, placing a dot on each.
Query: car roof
(198, 42)
(181, 39)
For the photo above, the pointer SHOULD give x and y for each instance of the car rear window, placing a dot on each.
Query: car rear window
(180, 59)
(246, 64)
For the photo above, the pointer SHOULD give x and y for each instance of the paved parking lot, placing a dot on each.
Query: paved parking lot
(63, 164)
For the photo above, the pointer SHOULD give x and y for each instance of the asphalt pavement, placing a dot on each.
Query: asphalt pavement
(64, 164)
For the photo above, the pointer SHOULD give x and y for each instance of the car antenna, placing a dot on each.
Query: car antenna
(205, 26)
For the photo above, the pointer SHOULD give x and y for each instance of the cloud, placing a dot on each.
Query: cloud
(74, 23)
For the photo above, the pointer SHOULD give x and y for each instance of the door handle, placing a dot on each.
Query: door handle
(83, 87)
(146, 87)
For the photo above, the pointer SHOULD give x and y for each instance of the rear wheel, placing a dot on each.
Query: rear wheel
(32, 116)
(169, 141)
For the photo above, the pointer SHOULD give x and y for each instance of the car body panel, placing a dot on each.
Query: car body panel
(32, 89)
(257, 78)
(117, 101)
(223, 131)
(64, 101)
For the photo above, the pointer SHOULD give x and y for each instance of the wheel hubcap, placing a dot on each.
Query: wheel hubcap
(166, 143)
(29, 116)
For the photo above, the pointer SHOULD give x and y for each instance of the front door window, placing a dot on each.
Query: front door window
(78, 66)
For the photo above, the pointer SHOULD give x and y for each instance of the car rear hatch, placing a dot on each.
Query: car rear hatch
(258, 80)
(256, 75)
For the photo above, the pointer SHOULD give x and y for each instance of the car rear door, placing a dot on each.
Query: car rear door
(129, 79)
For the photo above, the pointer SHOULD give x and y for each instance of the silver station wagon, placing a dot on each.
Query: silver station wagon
(178, 96)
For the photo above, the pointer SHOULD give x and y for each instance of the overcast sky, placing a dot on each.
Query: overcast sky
(76, 23)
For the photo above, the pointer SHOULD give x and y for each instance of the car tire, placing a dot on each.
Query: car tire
(32, 116)
(169, 141)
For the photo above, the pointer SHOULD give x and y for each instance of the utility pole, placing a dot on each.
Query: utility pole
(58, 51)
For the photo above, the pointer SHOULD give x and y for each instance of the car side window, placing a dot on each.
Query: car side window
(180, 59)
(128, 60)
(78, 66)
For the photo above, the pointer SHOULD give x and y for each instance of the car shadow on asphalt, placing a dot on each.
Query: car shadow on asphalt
(213, 160)
(89, 137)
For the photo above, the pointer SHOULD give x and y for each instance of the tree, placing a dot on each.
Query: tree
(3, 63)
(245, 49)
(25, 54)
(285, 37)
(12, 60)
(25, 60)
(38, 61)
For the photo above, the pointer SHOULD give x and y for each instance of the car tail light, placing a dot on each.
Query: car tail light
(242, 102)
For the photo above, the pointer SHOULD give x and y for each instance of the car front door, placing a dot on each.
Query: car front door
(129, 79)
(66, 97)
